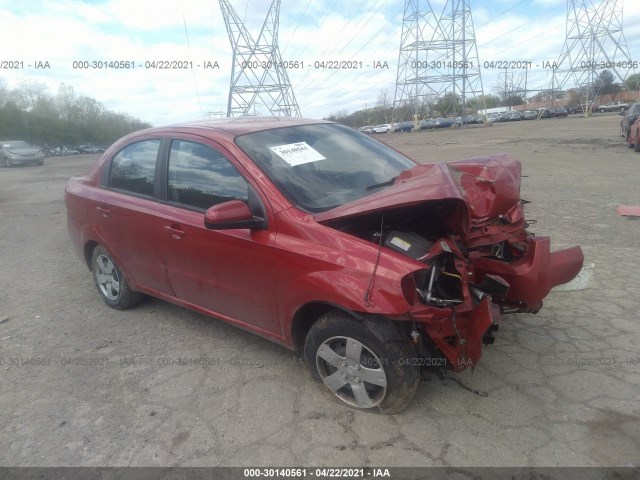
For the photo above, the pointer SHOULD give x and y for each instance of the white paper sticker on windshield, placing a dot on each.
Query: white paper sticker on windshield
(297, 153)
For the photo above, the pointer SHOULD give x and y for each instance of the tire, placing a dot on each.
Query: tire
(7, 162)
(110, 282)
(391, 377)
(636, 146)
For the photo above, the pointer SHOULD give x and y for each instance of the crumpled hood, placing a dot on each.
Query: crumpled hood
(488, 186)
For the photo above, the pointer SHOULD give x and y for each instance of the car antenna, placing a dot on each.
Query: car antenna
(367, 293)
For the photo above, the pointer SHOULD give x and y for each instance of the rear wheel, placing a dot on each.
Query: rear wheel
(111, 284)
(357, 368)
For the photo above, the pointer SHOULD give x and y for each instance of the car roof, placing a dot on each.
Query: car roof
(242, 125)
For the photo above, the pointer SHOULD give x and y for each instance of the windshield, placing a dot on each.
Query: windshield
(16, 145)
(322, 166)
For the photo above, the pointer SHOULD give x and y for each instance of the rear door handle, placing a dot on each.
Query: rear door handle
(175, 231)
(104, 211)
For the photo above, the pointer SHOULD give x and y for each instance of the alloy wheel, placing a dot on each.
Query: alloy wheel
(107, 277)
(352, 372)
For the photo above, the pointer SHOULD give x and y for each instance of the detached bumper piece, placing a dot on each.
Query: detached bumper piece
(532, 277)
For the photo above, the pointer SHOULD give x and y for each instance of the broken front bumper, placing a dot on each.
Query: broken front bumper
(532, 277)
(458, 331)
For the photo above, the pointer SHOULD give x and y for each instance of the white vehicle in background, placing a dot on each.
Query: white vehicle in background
(384, 128)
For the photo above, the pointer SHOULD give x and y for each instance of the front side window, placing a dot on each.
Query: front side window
(133, 168)
(200, 177)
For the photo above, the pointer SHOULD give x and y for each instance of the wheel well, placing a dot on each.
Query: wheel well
(88, 252)
(306, 316)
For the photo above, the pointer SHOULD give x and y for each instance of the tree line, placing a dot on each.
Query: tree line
(30, 112)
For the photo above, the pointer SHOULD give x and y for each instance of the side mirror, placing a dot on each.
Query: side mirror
(232, 214)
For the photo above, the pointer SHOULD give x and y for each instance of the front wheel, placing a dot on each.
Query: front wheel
(110, 281)
(356, 367)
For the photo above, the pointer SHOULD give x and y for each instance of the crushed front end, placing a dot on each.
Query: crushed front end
(463, 223)
(492, 268)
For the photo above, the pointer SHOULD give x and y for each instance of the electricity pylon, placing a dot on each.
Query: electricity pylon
(438, 59)
(594, 42)
(257, 73)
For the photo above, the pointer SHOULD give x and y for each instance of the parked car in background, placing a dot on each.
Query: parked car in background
(475, 118)
(629, 117)
(581, 108)
(559, 112)
(403, 127)
(88, 149)
(613, 107)
(428, 124)
(470, 119)
(493, 117)
(545, 113)
(321, 239)
(18, 152)
(68, 150)
(445, 122)
(384, 128)
(514, 116)
(529, 115)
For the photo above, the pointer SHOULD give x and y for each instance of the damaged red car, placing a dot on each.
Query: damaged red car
(319, 238)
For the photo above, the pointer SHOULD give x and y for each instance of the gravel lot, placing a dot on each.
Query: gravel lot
(563, 385)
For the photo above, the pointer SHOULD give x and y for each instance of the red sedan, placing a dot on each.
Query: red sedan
(319, 238)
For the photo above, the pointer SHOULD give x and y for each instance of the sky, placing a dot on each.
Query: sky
(56, 33)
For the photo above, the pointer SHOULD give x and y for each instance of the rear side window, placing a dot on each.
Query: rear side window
(133, 169)
(201, 177)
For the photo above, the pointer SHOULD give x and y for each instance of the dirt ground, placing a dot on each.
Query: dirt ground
(84, 385)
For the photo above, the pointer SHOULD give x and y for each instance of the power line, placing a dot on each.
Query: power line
(257, 74)
(594, 41)
(438, 57)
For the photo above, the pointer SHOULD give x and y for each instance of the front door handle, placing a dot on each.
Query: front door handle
(104, 211)
(175, 231)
